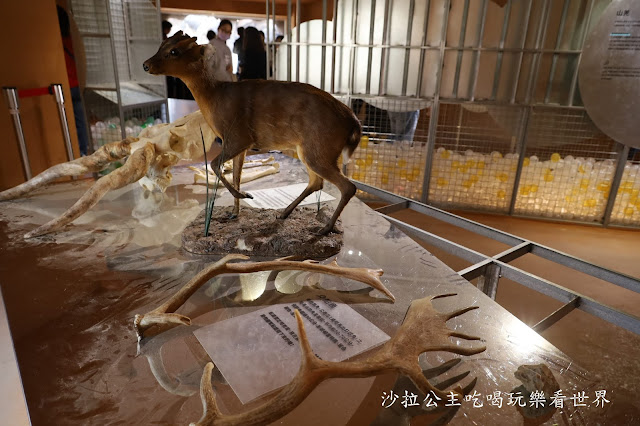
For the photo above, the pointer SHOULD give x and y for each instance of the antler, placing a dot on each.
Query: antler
(423, 330)
(164, 316)
(134, 169)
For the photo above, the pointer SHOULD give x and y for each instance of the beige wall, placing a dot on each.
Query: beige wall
(33, 57)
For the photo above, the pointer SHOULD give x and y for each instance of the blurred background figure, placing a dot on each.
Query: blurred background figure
(166, 29)
(255, 57)
(223, 61)
(238, 50)
(211, 35)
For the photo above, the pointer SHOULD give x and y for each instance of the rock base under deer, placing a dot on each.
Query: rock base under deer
(259, 233)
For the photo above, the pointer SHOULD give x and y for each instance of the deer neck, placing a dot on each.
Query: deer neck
(204, 88)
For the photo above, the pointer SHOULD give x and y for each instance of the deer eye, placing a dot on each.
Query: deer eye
(174, 52)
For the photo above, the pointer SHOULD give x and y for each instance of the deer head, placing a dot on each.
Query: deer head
(179, 56)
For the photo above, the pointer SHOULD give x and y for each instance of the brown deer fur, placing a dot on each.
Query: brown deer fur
(265, 115)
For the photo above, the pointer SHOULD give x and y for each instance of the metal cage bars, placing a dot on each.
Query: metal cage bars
(491, 268)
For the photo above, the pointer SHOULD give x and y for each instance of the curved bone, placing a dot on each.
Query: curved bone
(247, 176)
(134, 169)
(423, 330)
(80, 166)
(163, 317)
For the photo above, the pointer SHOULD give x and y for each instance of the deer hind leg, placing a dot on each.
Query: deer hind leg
(331, 172)
(315, 184)
(238, 162)
(216, 165)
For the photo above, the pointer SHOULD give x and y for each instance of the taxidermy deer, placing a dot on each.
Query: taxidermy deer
(265, 115)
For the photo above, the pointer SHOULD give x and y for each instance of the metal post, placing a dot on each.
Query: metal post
(488, 282)
(274, 66)
(289, 40)
(386, 29)
(266, 36)
(115, 71)
(435, 108)
(11, 94)
(352, 55)
(574, 80)
(298, 40)
(334, 48)
(554, 60)
(372, 21)
(503, 36)
(615, 183)
(323, 60)
(476, 56)
(407, 50)
(514, 89)
(522, 146)
(423, 44)
(463, 32)
(57, 92)
(541, 35)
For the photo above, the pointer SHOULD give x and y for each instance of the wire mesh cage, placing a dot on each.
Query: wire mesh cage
(392, 152)
(120, 98)
(475, 160)
(568, 167)
(626, 209)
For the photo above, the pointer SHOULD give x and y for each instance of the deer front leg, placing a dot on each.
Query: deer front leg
(216, 165)
(238, 163)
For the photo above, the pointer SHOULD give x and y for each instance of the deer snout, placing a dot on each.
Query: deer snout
(145, 67)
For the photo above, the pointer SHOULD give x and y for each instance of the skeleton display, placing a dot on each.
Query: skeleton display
(424, 329)
(257, 170)
(151, 155)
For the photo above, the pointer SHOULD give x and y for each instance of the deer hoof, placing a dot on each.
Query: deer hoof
(246, 195)
(326, 230)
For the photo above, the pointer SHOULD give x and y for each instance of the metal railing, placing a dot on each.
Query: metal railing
(490, 268)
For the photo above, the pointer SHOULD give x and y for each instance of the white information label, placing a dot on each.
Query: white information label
(281, 197)
(259, 352)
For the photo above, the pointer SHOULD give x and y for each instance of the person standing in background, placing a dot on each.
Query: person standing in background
(74, 81)
(166, 29)
(237, 49)
(224, 66)
(211, 35)
(255, 57)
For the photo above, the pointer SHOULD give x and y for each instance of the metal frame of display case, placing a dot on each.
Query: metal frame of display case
(544, 92)
(490, 268)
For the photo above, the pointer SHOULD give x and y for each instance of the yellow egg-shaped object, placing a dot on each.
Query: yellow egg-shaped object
(467, 184)
(473, 178)
(416, 171)
(480, 172)
(581, 169)
(385, 178)
(445, 154)
(480, 165)
(548, 177)
(525, 190)
(364, 141)
(360, 162)
(403, 174)
(584, 183)
(526, 162)
(411, 177)
(502, 194)
(356, 176)
(470, 163)
(590, 203)
(603, 186)
(402, 163)
(570, 199)
(455, 164)
(628, 211)
(442, 182)
(555, 157)
(368, 160)
(534, 188)
(502, 177)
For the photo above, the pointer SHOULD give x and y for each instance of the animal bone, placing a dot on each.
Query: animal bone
(164, 317)
(423, 330)
(265, 115)
(150, 156)
(251, 175)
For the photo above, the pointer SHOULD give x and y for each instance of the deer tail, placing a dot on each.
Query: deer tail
(352, 143)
